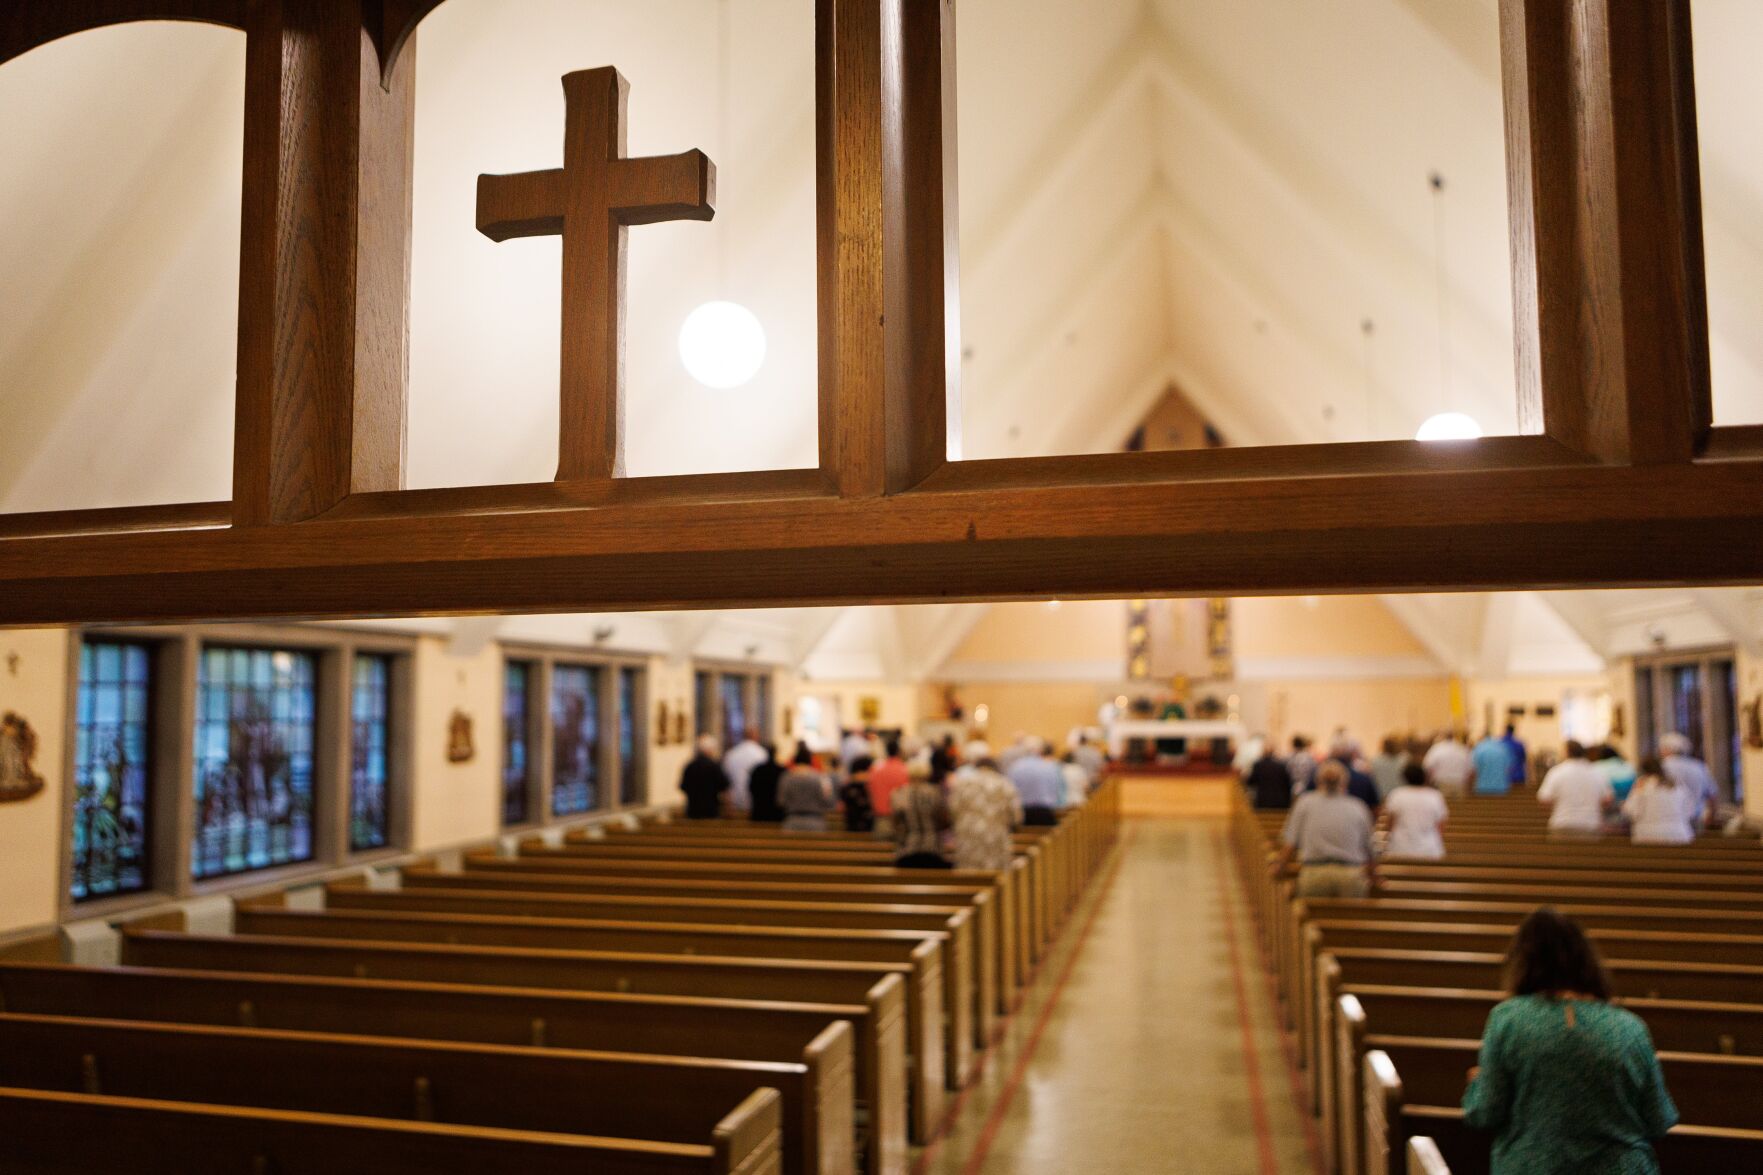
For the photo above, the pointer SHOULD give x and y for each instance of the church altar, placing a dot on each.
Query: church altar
(1120, 732)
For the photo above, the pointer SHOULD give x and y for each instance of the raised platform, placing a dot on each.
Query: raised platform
(1186, 795)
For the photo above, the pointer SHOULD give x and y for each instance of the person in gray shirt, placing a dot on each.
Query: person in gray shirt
(1329, 835)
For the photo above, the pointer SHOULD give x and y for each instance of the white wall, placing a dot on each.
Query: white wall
(33, 684)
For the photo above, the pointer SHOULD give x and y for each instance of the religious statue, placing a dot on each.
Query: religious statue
(459, 745)
(1754, 723)
(663, 724)
(18, 747)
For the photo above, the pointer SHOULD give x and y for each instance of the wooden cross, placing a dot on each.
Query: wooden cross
(590, 201)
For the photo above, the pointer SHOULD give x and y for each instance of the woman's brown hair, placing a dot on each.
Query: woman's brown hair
(1550, 953)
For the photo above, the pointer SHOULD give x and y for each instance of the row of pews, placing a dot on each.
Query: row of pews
(1386, 996)
(716, 997)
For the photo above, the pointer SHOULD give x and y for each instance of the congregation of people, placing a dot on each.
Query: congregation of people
(1348, 810)
(942, 805)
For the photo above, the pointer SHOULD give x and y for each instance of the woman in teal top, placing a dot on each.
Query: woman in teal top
(1569, 1083)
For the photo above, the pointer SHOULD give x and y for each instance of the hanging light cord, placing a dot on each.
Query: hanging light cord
(1438, 243)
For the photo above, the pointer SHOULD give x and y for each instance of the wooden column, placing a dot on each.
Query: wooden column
(889, 311)
(1609, 293)
(324, 264)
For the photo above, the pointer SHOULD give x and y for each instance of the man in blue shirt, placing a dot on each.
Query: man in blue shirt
(1493, 766)
(1520, 756)
(1040, 784)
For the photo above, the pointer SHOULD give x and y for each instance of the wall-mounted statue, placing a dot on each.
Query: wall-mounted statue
(460, 748)
(663, 727)
(18, 747)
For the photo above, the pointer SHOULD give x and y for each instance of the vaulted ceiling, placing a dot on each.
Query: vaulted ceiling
(1227, 196)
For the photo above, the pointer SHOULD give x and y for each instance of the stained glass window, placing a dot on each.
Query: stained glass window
(703, 717)
(762, 704)
(369, 789)
(630, 766)
(517, 679)
(253, 756)
(734, 708)
(575, 721)
(112, 739)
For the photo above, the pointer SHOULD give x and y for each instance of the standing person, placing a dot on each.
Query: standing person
(1039, 784)
(945, 759)
(1017, 748)
(1417, 814)
(1448, 764)
(1660, 810)
(886, 778)
(1567, 1081)
(1692, 774)
(1301, 764)
(1248, 755)
(854, 798)
(1329, 834)
(1576, 794)
(1077, 781)
(738, 765)
(703, 782)
(762, 784)
(1345, 751)
(1616, 769)
(921, 816)
(984, 810)
(1387, 765)
(1091, 757)
(1492, 761)
(1270, 782)
(1520, 756)
(852, 747)
(805, 795)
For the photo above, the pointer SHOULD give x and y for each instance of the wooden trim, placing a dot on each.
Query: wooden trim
(1609, 294)
(30, 24)
(115, 520)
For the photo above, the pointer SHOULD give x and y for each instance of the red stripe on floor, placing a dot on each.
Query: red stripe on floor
(1251, 1062)
(1001, 1107)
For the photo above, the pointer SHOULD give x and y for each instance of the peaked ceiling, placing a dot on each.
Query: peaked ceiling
(1214, 194)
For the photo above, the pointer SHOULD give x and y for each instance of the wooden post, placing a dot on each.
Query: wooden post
(885, 180)
(1609, 293)
(324, 279)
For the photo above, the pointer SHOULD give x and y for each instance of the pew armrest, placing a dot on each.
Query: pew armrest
(1424, 1157)
(750, 1140)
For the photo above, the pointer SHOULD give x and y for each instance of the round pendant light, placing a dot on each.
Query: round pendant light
(722, 344)
(1449, 426)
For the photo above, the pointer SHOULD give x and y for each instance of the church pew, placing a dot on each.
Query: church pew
(776, 1031)
(256, 918)
(1676, 1026)
(1424, 1157)
(51, 1133)
(560, 1091)
(1002, 962)
(1714, 1091)
(954, 968)
(1026, 899)
(735, 978)
(1391, 1120)
(1744, 879)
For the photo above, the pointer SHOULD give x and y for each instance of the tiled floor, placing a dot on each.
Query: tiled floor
(1129, 1055)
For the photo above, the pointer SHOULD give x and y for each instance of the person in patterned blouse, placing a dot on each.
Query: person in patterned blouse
(985, 810)
(1567, 1082)
(921, 816)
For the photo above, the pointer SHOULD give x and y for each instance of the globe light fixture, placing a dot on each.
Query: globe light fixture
(1449, 426)
(722, 344)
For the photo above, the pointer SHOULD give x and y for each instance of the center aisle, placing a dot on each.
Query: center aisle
(1129, 1055)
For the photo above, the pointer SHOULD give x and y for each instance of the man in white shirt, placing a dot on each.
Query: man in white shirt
(1576, 794)
(854, 746)
(738, 764)
(1691, 774)
(1449, 764)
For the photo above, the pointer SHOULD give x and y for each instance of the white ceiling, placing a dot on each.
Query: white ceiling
(1211, 193)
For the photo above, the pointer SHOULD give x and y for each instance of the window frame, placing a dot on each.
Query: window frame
(151, 790)
(1654, 713)
(176, 654)
(766, 722)
(543, 661)
(535, 721)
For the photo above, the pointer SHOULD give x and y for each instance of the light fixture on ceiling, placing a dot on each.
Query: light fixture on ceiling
(1444, 425)
(721, 343)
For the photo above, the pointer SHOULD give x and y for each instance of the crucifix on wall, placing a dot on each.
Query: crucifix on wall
(590, 201)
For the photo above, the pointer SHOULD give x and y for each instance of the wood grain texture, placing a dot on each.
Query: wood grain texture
(592, 201)
(27, 24)
(1609, 293)
(324, 265)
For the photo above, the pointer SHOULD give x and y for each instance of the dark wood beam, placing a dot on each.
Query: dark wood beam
(1609, 294)
(324, 281)
(28, 24)
(886, 223)
(1514, 520)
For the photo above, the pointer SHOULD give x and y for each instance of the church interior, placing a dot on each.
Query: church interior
(1184, 386)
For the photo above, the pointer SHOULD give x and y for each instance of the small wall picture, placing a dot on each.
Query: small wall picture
(681, 725)
(663, 725)
(869, 710)
(459, 743)
(19, 779)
